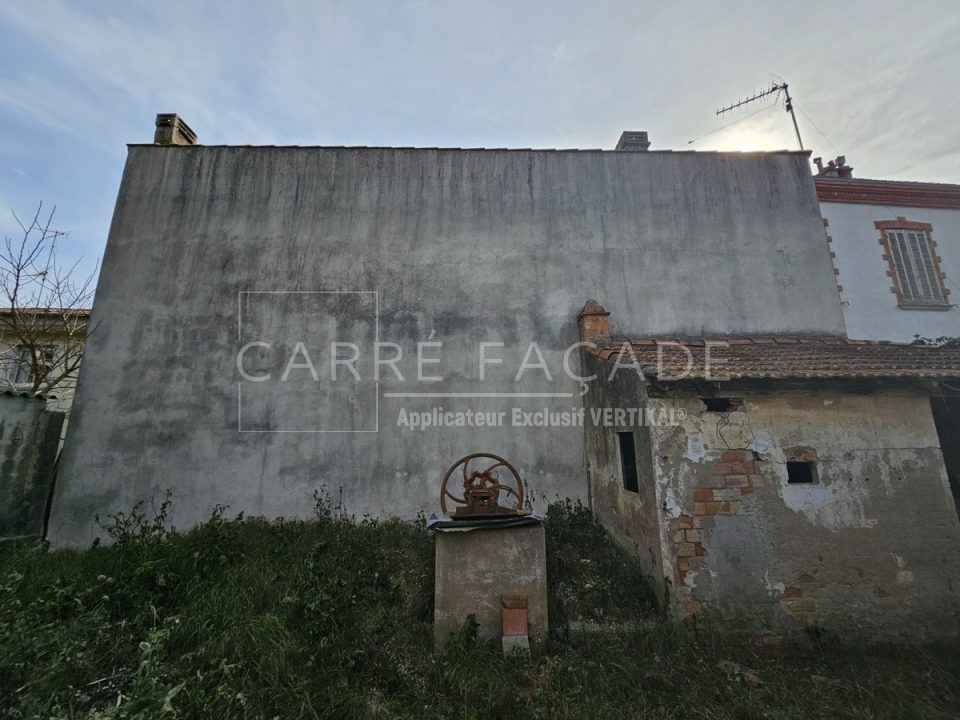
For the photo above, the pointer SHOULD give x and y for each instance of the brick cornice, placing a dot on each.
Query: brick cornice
(888, 192)
(901, 223)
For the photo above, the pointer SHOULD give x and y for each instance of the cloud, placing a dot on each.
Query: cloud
(77, 81)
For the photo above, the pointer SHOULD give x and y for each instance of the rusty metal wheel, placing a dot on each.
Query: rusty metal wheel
(487, 477)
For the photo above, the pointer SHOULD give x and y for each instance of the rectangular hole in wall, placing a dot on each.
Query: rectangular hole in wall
(628, 462)
(722, 405)
(800, 472)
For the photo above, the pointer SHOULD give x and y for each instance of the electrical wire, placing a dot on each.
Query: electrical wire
(821, 132)
(720, 129)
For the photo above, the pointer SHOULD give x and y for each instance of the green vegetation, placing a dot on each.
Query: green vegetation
(332, 619)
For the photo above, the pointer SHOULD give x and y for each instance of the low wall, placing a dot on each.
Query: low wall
(29, 439)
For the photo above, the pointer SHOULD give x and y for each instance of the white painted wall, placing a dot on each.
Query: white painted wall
(869, 307)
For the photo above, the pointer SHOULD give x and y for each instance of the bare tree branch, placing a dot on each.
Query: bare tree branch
(47, 313)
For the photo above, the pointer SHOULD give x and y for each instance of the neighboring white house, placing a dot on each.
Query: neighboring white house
(57, 338)
(896, 254)
(896, 250)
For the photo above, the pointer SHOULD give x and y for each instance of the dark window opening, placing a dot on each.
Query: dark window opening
(801, 472)
(628, 462)
(25, 371)
(946, 417)
(722, 405)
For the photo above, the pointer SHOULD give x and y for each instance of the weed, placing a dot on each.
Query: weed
(332, 618)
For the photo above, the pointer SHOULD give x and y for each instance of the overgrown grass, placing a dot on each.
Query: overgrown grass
(591, 578)
(332, 619)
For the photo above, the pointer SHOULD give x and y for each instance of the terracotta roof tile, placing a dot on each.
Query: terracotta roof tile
(786, 358)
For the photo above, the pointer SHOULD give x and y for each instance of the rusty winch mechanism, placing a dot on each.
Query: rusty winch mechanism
(482, 487)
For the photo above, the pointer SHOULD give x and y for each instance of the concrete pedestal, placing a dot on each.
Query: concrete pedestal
(476, 569)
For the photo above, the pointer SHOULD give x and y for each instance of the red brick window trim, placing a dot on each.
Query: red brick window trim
(910, 251)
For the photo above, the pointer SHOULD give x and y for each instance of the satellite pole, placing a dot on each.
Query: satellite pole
(776, 88)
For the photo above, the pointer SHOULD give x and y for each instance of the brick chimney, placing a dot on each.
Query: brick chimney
(593, 322)
(635, 140)
(172, 130)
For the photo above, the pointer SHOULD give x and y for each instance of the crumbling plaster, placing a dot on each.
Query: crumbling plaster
(878, 528)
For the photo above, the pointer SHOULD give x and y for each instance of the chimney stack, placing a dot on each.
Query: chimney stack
(593, 322)
(634, 140)
(172, 130)
(835, 168)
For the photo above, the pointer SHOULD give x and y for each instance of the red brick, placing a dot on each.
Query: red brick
(737, 481)
(801, 607)
(713, 481)
(698, 548)
(792, 592)
(808, 454)
(742, 468)
(702, 495)
(713, 507)
(734, 456)
(805, 578)
(746, 490)
(721, 468)
(686, 550)
(682, 564)
(699, 508)
(594, 326)
(514, 622)
(686, 521)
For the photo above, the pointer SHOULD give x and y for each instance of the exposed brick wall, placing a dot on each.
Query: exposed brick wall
(717, 494)
(871, 544)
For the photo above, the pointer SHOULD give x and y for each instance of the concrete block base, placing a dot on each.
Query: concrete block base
(475, 569)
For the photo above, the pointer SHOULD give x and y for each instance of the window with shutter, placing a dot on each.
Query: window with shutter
(914, 265)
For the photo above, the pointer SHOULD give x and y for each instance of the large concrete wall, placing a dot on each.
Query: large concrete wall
(468, 245)
(869, 306)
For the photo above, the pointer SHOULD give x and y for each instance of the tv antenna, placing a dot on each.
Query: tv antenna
(774, 89)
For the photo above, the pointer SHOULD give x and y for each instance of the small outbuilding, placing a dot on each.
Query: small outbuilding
(781, 480)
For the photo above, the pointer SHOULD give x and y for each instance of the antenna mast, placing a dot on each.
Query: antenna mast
(776, 88)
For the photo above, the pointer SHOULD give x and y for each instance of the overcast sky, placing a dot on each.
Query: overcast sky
(876, 82)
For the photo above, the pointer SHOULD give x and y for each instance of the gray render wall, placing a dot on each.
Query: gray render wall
(29, 440)
(633, 518)
(469, 245)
